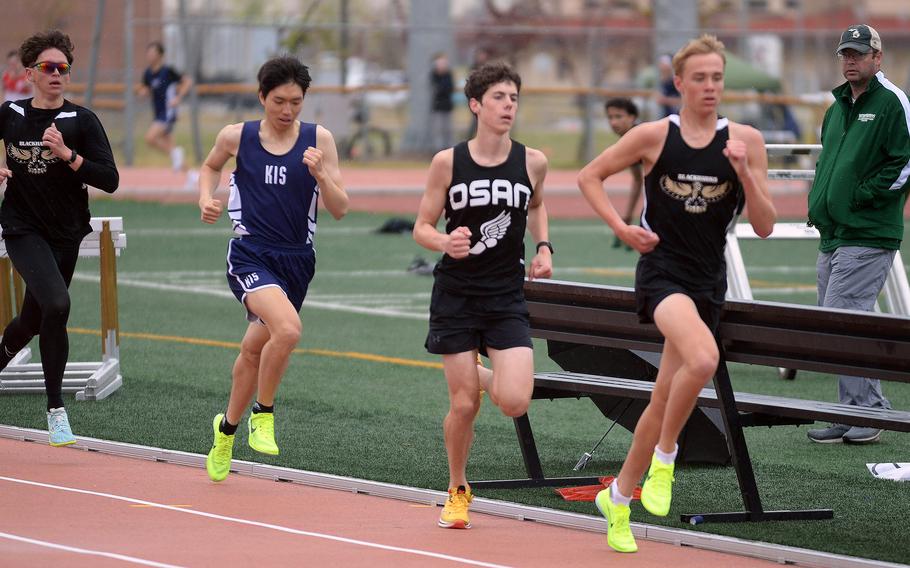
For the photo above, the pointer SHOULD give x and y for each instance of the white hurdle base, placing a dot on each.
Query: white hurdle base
(895, 291)
(90, 381)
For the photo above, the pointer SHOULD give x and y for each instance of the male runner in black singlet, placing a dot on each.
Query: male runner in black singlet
(700, 170)
(490, 188)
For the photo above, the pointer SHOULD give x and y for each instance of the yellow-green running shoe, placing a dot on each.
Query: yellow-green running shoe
(619, 533)
(262, 433)
(657, 488)
(218, 462)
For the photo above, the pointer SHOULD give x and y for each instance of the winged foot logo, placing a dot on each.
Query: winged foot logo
(491, 232)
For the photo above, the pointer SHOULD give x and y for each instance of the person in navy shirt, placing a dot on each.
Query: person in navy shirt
(166, 88)
(282, 167)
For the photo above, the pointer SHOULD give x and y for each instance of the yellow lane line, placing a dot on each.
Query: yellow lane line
(234, 345)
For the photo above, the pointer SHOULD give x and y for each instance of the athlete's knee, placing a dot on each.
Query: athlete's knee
(513, 405)
(702, 362)
(285, 334)
(250, 353)
(56, 310)
(463, 406)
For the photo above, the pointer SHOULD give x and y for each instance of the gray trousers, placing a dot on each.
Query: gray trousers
(851, 278)
(440, 130)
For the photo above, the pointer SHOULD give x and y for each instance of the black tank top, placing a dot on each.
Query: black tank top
(493, 203)
(691, 197)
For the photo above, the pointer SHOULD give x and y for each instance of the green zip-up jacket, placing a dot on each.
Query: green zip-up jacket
(860, 187)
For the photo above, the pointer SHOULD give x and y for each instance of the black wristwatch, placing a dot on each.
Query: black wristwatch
(547, 244)
(72, 157)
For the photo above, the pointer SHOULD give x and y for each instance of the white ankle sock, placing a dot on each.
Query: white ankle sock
(665, 458)
(617, 497)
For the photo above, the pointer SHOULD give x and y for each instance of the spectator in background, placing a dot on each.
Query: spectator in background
(15, 82)
(857, 201)
(667, 95)
(442, 84)
(167, 88)
(481, 56)
(622, 114)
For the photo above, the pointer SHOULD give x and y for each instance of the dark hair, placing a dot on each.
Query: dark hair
(487, 75)
(280, 71)
(622, 103)
(35, 46)
(159, 47)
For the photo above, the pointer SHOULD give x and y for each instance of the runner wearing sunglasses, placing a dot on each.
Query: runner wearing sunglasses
(54, 150)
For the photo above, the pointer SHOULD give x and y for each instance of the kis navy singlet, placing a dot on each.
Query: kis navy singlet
(273, 198)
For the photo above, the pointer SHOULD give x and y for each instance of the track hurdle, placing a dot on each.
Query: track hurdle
(896, 290)
(91, 380)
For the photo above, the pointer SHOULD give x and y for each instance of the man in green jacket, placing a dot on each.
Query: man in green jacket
(857, 200)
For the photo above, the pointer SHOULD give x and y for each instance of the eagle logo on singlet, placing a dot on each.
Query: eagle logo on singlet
(491, 232)
(37, 157)
(696, 191)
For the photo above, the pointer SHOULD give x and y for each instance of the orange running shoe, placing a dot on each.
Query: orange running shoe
(455, 512)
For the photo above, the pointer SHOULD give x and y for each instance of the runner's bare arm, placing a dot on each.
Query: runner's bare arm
(643, 143)
(323, 164)
(746, 152)
(226, 145)
(538, 225)
(432, 204)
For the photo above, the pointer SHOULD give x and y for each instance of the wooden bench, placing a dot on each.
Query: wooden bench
(91, 380)
(593, 333)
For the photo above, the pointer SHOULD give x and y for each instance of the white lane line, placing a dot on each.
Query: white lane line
(785, 291)
(179, 274)
(259, 524)
(206, 291)
(421, 301)
(113, 555)
(223, 233)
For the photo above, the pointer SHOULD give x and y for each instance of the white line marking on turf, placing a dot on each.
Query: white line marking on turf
(223, 233)
(63, 547)
(259, 524)
(181, 274)
(206, 291)
(786, 291)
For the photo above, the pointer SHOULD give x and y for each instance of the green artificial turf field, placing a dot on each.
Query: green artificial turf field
(362, 398)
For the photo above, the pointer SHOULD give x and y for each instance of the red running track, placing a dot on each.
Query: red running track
(92, 506)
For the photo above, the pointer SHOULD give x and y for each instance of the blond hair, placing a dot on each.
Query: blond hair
(707, 43)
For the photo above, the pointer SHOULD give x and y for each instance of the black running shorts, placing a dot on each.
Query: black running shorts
(460, 323)
(653, 285)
